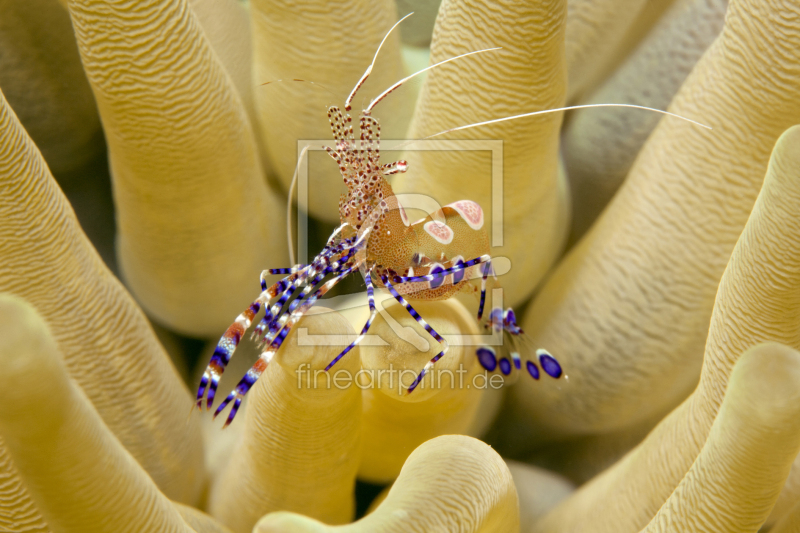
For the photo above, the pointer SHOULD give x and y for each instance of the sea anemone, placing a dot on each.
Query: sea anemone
(657, 259)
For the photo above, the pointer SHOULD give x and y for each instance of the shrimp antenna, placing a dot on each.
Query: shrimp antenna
(544, 112)
(348, 102)
(304, 81)
(401, 82)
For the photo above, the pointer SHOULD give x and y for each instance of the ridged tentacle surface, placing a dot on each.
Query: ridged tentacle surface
(109, 348)
(195, 218)
(199, 521)
(226, 25)
(450, 483)
(330, 44)
(758, 301)
(594, 30)
(42, 78)
(66, 456)
(527, 75)
(600, 145)
(735, 480)
(627, 311)
(299, 449)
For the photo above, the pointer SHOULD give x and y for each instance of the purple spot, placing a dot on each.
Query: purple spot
(533, 370)
(458, 276)
(505, 366)
(437, 282)
(510, 318)
(496, 318)
(487, 358)
(550, 365)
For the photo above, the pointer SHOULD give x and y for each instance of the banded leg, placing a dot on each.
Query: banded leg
(290, 284)
(372, 312)
(484, 259)
(223, 353)
(274, 321)
(394, 168)
(487, 269)
(244, 385)
(282, 324)
(230, 340)
(282, 271)
(415, 315)
(255, 372)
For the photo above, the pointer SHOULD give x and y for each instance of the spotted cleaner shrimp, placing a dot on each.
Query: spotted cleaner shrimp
(431, 259)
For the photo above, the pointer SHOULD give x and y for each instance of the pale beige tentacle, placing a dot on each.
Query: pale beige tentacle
(226, 25)
(594, 31)
(582, 458)
(299, 449)
(450, 483)
(18, 512)
(330, 44)
(790, 523)
(66, 456)
(199, 521)
(626, 313)
(108, 345)
(539, 491)
(789, 498)
(445, 402)
(735, 480)
(758, 301)
(527, 75)
(42, 78)
(600, 145)
(195, 219)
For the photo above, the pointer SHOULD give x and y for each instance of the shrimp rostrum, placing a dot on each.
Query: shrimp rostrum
(430, 259)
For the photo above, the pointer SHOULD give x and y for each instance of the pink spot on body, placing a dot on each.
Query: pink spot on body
(403, 214)
(439, 231)
(471, 212)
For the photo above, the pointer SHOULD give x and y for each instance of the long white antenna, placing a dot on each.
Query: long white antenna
(544, 112)
(401, 82)
(349, 100)
(315, 84)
